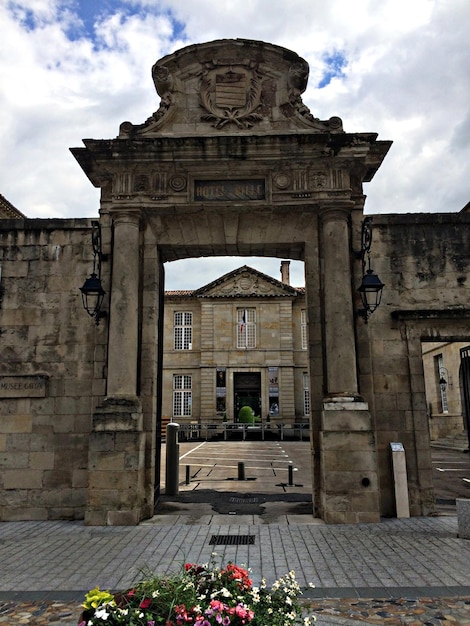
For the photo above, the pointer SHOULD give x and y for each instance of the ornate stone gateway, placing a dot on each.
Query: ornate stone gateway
(231, 163)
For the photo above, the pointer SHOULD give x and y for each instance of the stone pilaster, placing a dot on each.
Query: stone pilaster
(340, 344)
(123, 319)
(349, 489)
(116, 457)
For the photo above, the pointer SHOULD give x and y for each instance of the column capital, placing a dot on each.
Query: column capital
(126, 215)
(335, 213)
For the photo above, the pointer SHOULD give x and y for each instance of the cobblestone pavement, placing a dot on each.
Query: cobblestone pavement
(343, 611)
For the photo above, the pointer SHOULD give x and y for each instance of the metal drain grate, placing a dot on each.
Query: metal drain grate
(235, 500)
(232, 540)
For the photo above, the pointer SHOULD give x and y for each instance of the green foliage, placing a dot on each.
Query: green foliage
(246, 415)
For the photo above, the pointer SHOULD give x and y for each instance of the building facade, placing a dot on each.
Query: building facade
(239, 341)
(446, 380)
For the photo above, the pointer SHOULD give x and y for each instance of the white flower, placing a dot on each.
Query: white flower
(155, 593)
(101, 614)
(311, 585)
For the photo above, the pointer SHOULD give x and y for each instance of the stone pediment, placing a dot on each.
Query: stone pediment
(245, 282)
(230, 85)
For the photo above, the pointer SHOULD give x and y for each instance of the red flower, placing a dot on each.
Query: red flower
(146, 602)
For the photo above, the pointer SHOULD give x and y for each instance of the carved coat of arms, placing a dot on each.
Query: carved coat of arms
(231, 96)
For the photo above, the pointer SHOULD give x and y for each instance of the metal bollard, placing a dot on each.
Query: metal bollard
(172, 460)
(291, 474)
(241, 470)
(188, 474)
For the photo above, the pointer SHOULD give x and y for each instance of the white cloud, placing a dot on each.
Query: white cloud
(405, 76)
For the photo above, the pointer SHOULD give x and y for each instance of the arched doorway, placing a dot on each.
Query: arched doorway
(232, 163)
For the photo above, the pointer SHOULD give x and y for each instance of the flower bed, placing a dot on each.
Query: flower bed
(199, 595)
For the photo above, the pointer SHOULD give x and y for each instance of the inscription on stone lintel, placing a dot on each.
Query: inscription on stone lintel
(22, 386)
(220, 190)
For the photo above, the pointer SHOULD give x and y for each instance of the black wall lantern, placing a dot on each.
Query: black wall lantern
(371, 286)
(92, 290)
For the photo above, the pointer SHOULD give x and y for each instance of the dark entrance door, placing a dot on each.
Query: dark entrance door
(465, 387)
(247, 391)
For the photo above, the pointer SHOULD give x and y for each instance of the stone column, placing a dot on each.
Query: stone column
(123, 321)
(116, 453)
(339, 334)
(349, 490)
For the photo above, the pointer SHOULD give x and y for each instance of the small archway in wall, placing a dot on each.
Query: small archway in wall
(427, 335)
(447, 387)
(274, 294)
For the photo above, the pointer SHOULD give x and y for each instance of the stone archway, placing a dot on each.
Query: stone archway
(231, 163)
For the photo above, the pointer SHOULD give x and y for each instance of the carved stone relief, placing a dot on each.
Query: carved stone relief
(231, 95)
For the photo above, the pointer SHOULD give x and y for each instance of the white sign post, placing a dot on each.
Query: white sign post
(400, 480)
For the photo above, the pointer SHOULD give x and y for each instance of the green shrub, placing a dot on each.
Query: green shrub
(246, 415)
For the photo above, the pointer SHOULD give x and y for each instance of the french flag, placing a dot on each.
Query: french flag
(242, 325)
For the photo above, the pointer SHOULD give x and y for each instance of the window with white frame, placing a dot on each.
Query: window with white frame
(303, 328)
(183, 330)
(306, 394)
(246, 328)
(182, 395)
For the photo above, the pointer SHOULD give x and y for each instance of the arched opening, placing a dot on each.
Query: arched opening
(235, 338)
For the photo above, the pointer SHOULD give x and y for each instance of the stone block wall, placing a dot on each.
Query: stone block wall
(46, 336)
(423, 259)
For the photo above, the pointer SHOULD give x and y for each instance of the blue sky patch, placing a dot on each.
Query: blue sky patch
(91, 11)
(334, 65)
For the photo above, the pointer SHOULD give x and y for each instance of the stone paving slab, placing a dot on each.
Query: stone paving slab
(412, 553)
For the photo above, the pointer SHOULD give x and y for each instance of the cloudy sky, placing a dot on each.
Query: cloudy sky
(71, 69)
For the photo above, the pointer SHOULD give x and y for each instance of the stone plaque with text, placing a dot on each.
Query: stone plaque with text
(220, 190)
(22, 386)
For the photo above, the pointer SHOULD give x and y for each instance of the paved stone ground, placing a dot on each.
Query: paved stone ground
(407, 571)
(412, 558)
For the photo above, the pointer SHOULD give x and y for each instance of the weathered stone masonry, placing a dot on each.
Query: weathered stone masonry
(85, 443)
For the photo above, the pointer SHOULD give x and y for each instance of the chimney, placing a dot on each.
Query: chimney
(285, 276)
